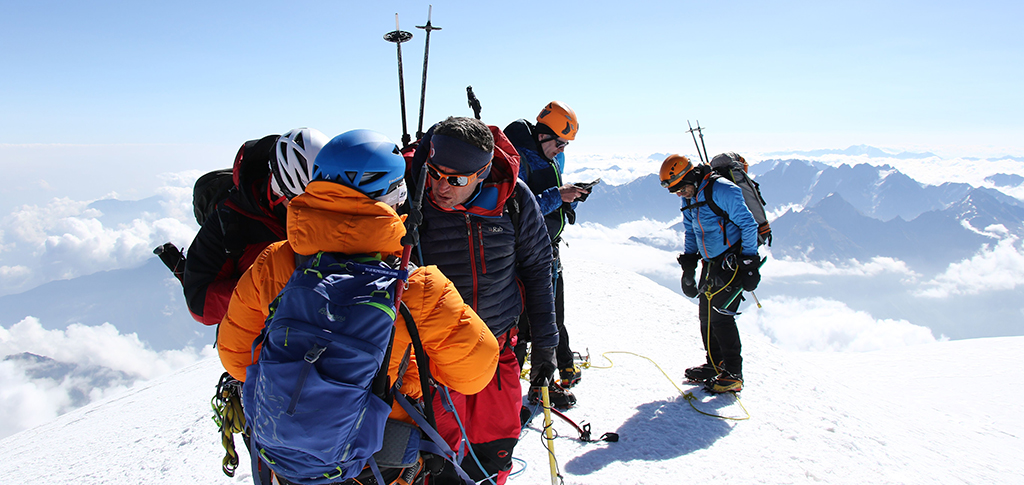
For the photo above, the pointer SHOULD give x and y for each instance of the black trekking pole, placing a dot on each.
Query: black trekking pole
(473, 102)
(691, 130)
(426, 55)
(399, 36)
(700, 132)
(410, 240)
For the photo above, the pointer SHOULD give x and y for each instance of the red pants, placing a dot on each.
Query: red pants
(491, 418)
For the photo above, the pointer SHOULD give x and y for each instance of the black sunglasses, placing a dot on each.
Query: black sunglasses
(678, 187)
(558, 142)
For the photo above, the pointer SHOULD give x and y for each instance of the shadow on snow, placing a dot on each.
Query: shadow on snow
(660, 430)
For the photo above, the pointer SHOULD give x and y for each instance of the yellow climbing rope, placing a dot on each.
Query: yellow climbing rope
(690, 398)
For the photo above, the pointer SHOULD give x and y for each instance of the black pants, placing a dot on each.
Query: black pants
(718, 330)
(563, 354)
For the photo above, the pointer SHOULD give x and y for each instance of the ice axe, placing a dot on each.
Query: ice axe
(473, 102)
(549, 433)
(735, 295)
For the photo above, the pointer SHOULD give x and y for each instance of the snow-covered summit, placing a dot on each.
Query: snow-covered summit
(945, 412)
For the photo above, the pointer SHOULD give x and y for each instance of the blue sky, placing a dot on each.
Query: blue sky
(114, 98)
(123, 87)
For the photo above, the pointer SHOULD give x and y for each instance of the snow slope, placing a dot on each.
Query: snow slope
(947, 412)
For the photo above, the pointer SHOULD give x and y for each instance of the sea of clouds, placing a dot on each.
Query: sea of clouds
(66, 238)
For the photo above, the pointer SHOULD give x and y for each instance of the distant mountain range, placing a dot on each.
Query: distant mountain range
(80, 380)
(828, 213)
(611, 205)
(834, 230)
(843, 212)
(857, 150)
(147, 301)
(1005, 180)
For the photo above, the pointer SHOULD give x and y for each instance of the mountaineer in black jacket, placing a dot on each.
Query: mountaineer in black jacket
(540, 149)
(471, 232)
(267, 173)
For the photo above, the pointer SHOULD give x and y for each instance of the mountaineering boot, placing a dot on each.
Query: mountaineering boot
(701, 373)
(724, 382)
(569, 376)
(560, 398)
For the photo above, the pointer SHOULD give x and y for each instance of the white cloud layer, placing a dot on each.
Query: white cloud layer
(104, 362)
(66, 238)
(613, 245)
(619, 246)
(804, 324)
(818, 324)
(992, 269)
(788, 267)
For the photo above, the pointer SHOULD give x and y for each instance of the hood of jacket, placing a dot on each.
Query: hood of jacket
(334, 218)
(522, 134)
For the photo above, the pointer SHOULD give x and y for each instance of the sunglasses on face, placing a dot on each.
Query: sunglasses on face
(559, 143)
(454, 180)
(677, 188)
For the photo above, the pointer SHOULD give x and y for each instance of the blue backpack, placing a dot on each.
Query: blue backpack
(318, 398)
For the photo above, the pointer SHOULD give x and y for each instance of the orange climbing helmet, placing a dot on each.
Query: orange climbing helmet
(673, 170)
(560, 118)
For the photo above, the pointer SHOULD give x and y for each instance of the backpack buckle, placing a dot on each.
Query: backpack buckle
(314, 354)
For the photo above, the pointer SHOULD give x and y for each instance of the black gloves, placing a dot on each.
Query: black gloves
(689, 281)
(542, 365)
(688, 262)
(689, 285)
(570, 213)
(750, 272)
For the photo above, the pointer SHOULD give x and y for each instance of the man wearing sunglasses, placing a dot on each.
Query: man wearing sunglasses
(540, 146)
(726, 246)
(482, 227)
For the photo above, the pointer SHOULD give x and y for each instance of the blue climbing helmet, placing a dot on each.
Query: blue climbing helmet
(364, 160)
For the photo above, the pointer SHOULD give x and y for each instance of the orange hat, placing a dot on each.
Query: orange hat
(673, 170)
(560, 118)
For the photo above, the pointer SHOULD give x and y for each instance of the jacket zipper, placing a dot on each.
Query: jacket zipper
(561, 210)
(472, 262)
(483, 257)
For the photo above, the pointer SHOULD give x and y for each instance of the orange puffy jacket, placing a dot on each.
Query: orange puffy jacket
(332, 217)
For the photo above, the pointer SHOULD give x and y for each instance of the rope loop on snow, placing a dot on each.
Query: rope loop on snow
(690, 398)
